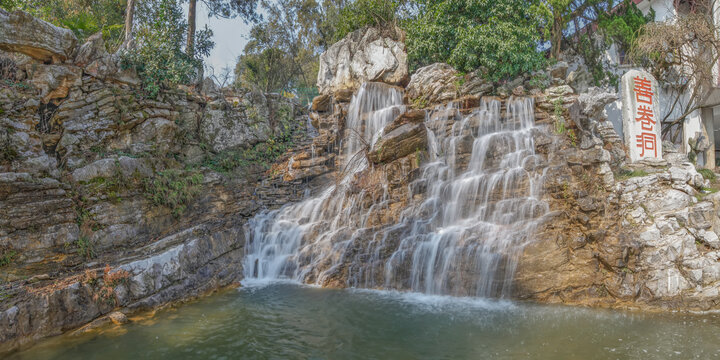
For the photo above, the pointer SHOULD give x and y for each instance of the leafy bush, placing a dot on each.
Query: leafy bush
(625, 25)
(362, 13)
(83, 17)
(620, 27)
(707, 174)
(173, 189)
(499, 35)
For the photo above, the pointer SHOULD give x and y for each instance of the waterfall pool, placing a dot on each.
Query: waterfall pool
(288, 321)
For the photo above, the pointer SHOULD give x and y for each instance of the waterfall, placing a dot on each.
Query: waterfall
(471, 210)
(275, 239)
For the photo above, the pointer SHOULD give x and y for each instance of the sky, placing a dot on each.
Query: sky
(229, 35)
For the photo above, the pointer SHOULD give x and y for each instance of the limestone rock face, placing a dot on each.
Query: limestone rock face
(85, 160)
(20, 32)
(406, 135)
(433, 84)
(224, 127)
(107, 168)
(93, 49)
(55, 81)
(363, 55)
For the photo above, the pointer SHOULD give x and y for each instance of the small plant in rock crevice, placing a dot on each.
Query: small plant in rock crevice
(105, 290)
(707, 174)
(7, 151)
(84, 247)
(625, 174)
(173, 189)
(558, 111)
(7, 257)
(572, 136)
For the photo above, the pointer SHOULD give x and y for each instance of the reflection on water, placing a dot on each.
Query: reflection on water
(285, 321)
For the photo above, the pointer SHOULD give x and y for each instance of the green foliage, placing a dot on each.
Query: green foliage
(110, 187)
(282, 52)
(498, 35)
(262, 154)
(263, 70)
(85, 247)
(7, 257)
(624, 25)
(83, 17)
(627, 174)
(83, 215)
(361, 13)
(621, 27)
(592, 51)
(707, 174)
(174, 189)
(558, 112)
(539, 80)
(159, 57)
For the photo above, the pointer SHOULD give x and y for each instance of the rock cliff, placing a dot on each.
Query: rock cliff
(641, 235)
(111, 201)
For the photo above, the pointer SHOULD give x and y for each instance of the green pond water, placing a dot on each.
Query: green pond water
(285, 321)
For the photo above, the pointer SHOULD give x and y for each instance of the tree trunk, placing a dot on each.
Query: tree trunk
(191, 29)
(556, 40)
(129, 13)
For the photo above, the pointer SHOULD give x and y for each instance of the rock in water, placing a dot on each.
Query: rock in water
(20, 32)
(118, 318)
(363, 55)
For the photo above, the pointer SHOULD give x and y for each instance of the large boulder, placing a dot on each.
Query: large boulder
(363, 55)
(23, 33)
(433, 84)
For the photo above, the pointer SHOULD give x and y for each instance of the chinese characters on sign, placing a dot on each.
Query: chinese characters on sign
(642, 131)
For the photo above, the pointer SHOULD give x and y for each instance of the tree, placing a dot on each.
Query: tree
(129, 13)
(283, 50)
(219, 8)
(499, 35)
(362, 13)
(620, 26)
(158, 56)
(681, 53)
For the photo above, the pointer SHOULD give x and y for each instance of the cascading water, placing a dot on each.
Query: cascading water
(479, 202)
(278, 241)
